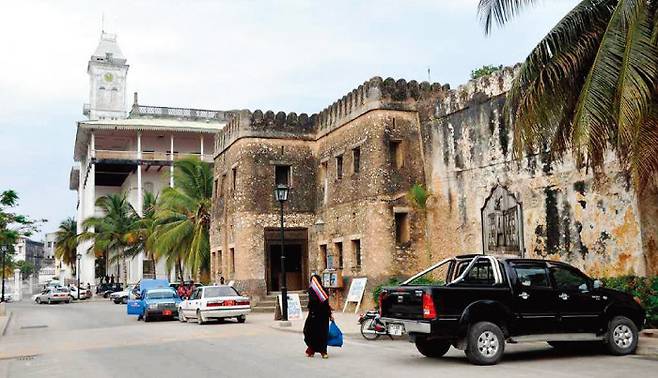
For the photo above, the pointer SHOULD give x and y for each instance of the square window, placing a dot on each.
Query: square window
(396, 155)
(401, 228)
(356, 248)
(356, 160)
(282, 175)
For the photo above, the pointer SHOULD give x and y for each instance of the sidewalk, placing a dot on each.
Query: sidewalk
(347, 322)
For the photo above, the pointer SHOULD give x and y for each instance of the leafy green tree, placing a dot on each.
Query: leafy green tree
(114, 232)
(183, 217)
(66, 242)
(485, 71)
(144, 227)
(12, 227)
(26, 267)
(590, 85)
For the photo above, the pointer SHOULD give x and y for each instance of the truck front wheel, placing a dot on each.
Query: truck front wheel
(486, 344)
(432, 348)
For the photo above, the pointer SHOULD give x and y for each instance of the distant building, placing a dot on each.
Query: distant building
(29, 250)
(130, 152)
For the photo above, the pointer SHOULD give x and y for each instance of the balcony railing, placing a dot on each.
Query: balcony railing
(167, 112)
(148, 156)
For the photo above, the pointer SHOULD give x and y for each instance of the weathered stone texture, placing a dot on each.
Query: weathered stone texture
(454, 142)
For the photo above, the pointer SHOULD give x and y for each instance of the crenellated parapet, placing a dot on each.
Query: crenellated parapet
(268, 124)
(477, 90)
(377, 93)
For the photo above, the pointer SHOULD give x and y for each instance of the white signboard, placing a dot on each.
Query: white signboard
(294, 307)
(357, 288)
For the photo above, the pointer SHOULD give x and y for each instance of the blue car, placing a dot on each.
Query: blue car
(156, 300)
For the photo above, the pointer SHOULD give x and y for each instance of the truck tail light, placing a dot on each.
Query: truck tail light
(429, 311)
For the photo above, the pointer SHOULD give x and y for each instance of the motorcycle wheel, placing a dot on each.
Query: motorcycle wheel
(368, 329)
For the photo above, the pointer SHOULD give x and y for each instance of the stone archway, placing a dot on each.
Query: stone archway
(502, 223)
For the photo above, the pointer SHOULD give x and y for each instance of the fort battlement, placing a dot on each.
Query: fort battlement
(268, 124)
(376, 93)
(477, 90)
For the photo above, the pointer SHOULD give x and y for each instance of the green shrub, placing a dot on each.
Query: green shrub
(643, 288)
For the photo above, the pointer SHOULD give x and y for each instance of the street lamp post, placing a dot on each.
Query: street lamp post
(281, 195)
(4, 257)
(77, 273)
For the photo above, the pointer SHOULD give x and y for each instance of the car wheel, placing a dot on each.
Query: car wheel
(622, 336)
(49, 301)
(199, 318)
(181, 316)
(124, 300)
(68, 301)
(432, 348)
(485, 344)
(38, 300)
(146, 317)
(242, 319)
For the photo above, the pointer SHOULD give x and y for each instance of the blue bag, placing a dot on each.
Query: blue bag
(335, 335)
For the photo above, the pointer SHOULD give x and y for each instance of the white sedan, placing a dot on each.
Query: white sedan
(214, 302)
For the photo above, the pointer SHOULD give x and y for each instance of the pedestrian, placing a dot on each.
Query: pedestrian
(107, 279)
(112, 278)
(316, 328)
(182, 292)
(221, 280)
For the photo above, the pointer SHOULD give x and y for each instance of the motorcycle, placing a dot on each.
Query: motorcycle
(371, 326)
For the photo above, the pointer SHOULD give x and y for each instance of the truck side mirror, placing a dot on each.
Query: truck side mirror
(598, 284)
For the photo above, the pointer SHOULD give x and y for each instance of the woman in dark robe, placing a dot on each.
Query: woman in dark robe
(316, 328)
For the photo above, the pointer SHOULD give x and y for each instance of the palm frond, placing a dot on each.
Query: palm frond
(500, 11)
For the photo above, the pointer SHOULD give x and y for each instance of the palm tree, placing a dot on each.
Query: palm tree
(183, 216)
(66, 242)
(113, 232)
(144, 227)
(589, 85)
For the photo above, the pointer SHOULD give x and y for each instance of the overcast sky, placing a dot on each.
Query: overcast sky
(280, 55)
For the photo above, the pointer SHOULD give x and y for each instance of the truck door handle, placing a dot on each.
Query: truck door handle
(524, 295)
(563, 296)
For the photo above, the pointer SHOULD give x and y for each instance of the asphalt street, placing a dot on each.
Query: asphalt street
(97, 339)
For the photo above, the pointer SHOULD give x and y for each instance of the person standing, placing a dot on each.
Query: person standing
(316, 328)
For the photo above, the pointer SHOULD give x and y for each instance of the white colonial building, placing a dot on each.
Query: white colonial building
(130, 151)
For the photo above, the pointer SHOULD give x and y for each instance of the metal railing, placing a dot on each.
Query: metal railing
(167, 112)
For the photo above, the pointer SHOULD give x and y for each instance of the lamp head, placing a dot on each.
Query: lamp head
(281, 193)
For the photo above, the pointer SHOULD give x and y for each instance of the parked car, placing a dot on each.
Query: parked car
(9, 297)
(214, 302)
(121, 296)
(53, 295)
(73, 291)
(106, 289)
(156, 299)
(478, 303)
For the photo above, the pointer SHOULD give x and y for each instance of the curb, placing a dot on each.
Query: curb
(6, 323)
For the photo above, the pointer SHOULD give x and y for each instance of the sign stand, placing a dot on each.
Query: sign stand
(357, 288)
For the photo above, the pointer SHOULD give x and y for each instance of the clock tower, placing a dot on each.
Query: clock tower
(107, 71)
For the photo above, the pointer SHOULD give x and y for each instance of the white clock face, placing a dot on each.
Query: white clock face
(108, 77)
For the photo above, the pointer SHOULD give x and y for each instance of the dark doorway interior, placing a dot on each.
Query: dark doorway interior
(295, 248)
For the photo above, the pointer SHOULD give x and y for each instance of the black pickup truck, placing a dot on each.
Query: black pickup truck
(477, 303)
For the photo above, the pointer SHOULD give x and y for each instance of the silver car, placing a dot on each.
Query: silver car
(54, 295)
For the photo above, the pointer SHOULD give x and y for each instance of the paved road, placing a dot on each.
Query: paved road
(96, 339)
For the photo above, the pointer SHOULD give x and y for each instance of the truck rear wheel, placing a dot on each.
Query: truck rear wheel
(486, 344)
(432, 348)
